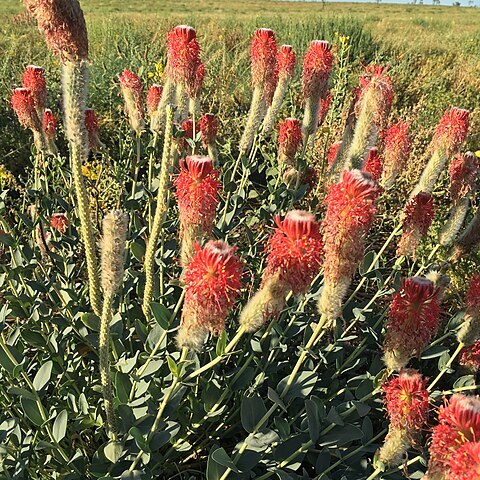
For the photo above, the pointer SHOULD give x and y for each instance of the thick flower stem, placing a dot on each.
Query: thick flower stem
(104, 352)
(74, 81)
(160, 212)
(274, 109)
(255, 117)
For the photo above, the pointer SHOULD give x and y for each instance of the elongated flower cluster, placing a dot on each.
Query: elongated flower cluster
(458, 426)
(449, 136)
(372, 108)
(59, 222)
(33, 78)
(91, 125)
(464, 171)
(397, 144)
(131, 88)
(406, 400)
(154, 96)
(332, 152)
(183, 146)
(417, 218)
(350, 213)
(49, 124)
(373, 164)
(470, 357)
(286, 59)
(317, 64)
(295, 253)
(470, 330)
(412, 321)
(63, 24)
(289, 140)
(197, 188)
(263, 51)
(212, 284)
(465, 464)
(23, 105)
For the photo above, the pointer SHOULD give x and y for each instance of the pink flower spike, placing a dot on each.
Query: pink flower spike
(452, 130)
(286, 59)
(59, 222)
(33, 78)
(373, 164)
(209, 129)
(154, 96)
(132, 91)
(289, 140)
(263, 53)
(91, 125)
(23, 105)
(49, 124)
(317, 64)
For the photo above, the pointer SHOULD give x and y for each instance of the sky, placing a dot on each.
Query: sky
(464, 3)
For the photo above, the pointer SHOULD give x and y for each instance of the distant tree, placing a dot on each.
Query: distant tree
(436, 2)
(456, 4)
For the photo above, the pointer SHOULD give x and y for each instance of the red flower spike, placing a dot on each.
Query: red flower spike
(131, 81)
(418, 216)
(373, 164)
(183, 52)
(413, 317)
(197, 189)
(397, 144)
(350, 212)
(406, 400)
(465, 464)
(263, 51)
(33, 79)
(209, 128)
(63, 24)
(196, 89)
(464, 171)
(212, 284)
(473, 295)
(132, 91)
(323, 109)
(286, 59)
(59, 222)
(332, 152)
(452, 130)
(154, 96)
(49, 123)
(458, 424)
(295, 251)
(91, 125)
(470, 356)
(317, 64)
(23, 105)
(187, 127)
(289, 139)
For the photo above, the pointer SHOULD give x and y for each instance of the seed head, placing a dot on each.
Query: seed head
(131, 88)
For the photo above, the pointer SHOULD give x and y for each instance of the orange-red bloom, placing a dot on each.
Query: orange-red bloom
(33, 79)
(154, 95)
(373, 164)
(397, 143)
(23, 104)
(289, 139)
(209, 129)
(286, 59)
(49, 123)
(464, 171)
(295, 251)
(452, 130)
(317, 64)
(59, 222)
(263, 51)
(465, 463)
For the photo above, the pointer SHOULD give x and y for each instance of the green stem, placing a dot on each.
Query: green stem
(446, 367)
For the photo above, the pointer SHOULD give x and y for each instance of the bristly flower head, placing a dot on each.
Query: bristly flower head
(464, 171)
(183, 52)
(458, 424)
(323, 107)
(350, 213)
(473, 295)
(332, 152)
(452, 130)
(154, 96)
(212, 284)
(91, 125)
(59, 221)
(49, 124)
(263, 51)
(317, 64)
(295, 251)
(33, 79)
(377, 89)
(397, 143)
(289, 140)
(413, 318)
(187, 128)
(197, 189)
(417, 218)
(63, 24)
(470, 357)
(465, 464)
(23, 104)
(286, 59)
(373, 164)
(209, 129)
(131, 87)
(406, 399)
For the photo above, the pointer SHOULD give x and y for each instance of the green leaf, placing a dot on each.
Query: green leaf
(122, 387)
(221, 457)
(113, 451)
(172, 366)
(7, 239)
(342, 435)
(301, 386)
(43, 376)
(275, 398)
(313, 420)
(60, 426)
(31, 410)
(214, 469)
(221, 343)
(251, 412)
(11, 360)
(161, 314)
(139, 439)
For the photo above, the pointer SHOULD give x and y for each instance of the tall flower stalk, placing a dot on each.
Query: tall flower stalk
(160, 212)
(115, 227)
(413, 319)
(350, 213)
(263, 52)
(209, 129)
(295, 254)
(397, 144)
(449, 136)
(407, 403)
(464, 171)
(373, 108)
(470, 330)
(65, 31)
(317, 64)
(285, 67)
